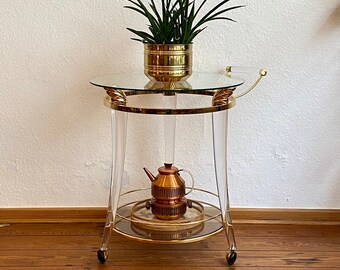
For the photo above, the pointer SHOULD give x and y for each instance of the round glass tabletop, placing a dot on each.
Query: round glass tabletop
(139, 82)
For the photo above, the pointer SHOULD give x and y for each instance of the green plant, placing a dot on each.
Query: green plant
(175, 22)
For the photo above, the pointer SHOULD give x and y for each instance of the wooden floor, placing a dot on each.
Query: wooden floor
(73, 246)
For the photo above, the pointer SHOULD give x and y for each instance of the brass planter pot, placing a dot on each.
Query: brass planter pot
(168, 62)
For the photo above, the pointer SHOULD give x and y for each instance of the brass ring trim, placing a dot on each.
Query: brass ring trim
(175, 241)
(111, 102)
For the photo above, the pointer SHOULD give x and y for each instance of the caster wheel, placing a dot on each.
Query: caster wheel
(102, 256)
(231, 257)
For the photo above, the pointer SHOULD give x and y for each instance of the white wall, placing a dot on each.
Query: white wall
(55, 132)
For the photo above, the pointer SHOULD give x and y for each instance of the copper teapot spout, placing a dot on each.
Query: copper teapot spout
(150, 175)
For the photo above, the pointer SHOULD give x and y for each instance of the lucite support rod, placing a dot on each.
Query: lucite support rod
(220, 123)
(119, 126)
(170, 101)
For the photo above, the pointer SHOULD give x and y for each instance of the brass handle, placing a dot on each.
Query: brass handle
(261, 74)
(192, 180)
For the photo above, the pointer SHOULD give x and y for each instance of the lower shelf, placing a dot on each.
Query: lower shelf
(201, 221)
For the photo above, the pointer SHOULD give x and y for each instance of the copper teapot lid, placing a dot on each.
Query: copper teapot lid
(168, 169)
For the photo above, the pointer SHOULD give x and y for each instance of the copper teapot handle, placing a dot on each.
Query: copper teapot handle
(192, 180)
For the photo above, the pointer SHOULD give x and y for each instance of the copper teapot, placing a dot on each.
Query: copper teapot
(168, 192)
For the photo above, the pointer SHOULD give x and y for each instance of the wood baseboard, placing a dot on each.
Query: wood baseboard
(239, 215)
(52, 215)
(286, 216)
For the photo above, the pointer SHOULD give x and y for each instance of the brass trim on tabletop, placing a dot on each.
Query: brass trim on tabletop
(117, 100)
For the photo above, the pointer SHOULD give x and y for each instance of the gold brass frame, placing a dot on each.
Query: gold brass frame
(222, 99)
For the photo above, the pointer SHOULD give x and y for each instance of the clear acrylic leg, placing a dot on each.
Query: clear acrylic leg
(119, 125)
(220, 125)
(170, 101)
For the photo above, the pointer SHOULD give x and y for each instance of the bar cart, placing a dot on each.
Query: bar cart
(171, 212)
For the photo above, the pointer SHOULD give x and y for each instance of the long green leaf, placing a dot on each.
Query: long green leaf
(194, 34)
(207, 18)
(153, 7)
(190, 21)
(145, 36)
(136, 9)
(140, 40)
(225, 10)
(140, 33)
(213, 10)
(199, 8)
(150, 17)
(220, 18)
